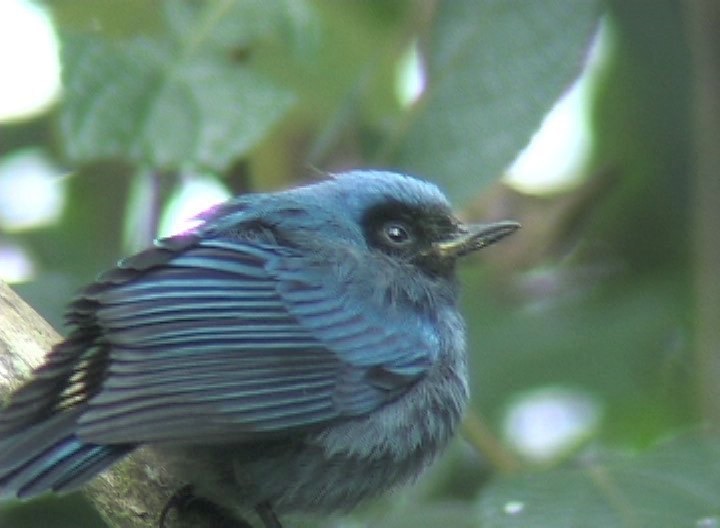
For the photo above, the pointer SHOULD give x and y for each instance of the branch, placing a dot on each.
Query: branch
(132, 493)
(703, 20)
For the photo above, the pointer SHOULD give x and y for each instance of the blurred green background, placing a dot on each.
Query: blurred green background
(592, 332)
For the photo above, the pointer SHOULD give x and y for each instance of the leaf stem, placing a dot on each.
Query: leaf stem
(484, 440)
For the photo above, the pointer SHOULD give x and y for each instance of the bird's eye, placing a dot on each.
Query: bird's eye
(397, 233)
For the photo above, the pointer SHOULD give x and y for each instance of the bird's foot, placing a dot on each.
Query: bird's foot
(185, 503)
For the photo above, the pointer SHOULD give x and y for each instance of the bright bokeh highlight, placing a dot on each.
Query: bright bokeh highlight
(557, 155)
(193, 195)
(15, 264)
(29, 60)
(411, 79)
(545, 424)
(31, 190)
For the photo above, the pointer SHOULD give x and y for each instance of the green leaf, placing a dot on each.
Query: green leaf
(69, 511)
(163, 105)
(427, 515)
(235, 24)
(676, 484)
(495, 67)
(126, 18)
(620, 338)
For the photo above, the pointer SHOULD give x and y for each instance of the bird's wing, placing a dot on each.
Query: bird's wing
(227, 339)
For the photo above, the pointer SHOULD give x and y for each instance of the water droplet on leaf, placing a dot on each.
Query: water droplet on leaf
(515, 507)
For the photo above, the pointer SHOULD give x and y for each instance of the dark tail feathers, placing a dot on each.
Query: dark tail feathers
(49, 457)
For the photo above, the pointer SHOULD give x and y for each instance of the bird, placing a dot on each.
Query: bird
(295, 351)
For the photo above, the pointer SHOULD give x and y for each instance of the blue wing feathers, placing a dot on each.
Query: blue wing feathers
(36, 400)
(49, 457)
(217, 388)
(201, 340)
(182, 333)
(132, 362)
(222, 339)
(152, 312)
(265, 423)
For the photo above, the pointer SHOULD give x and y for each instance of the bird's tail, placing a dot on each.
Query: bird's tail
(49, 457)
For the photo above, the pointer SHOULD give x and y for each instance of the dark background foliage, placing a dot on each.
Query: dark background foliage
(605, 298)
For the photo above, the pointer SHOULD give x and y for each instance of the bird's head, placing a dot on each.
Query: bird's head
(407, 219)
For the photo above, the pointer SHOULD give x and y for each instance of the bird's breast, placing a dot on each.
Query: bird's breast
(395, 443)
(335, 468)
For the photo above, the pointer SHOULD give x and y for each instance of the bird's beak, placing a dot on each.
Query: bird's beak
(473, 237)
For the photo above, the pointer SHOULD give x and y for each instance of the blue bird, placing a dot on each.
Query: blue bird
(298, 351)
